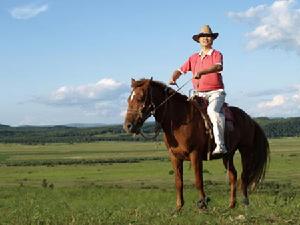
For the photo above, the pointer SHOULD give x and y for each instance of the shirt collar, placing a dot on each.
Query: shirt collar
(208, 53)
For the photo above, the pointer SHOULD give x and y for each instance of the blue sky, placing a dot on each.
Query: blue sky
(68, 61)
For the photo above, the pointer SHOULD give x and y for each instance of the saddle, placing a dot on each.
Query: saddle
(201, 104)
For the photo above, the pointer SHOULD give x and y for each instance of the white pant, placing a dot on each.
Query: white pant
(216, 99)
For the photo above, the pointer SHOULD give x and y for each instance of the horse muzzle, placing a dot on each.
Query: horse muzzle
(131, 128)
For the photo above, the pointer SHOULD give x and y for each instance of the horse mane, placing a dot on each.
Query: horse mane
(162, 86)
(139, 83)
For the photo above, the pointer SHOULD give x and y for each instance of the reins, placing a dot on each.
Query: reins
(156, 130)
(152, 112)
(176, 91)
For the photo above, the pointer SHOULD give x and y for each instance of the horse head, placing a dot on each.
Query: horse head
(140, 105)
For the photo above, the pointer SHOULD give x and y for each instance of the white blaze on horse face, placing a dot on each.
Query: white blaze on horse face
(132, 95)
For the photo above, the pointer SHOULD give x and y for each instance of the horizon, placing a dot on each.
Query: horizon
(64, 62)
(92, 125)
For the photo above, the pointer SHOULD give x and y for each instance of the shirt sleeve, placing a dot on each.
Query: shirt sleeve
(218, 58)
(186, 67)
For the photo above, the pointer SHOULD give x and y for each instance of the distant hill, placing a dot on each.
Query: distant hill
(83, 125)
(72, 133)
(79, 125)
(280, 127)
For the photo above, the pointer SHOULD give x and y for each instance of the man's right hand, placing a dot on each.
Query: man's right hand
(172, 82)
(174, 77)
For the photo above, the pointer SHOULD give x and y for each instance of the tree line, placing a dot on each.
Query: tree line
(273, 128)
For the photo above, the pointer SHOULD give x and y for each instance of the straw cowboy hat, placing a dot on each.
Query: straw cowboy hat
(205, 32)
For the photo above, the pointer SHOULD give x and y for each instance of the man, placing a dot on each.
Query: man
(206, 67)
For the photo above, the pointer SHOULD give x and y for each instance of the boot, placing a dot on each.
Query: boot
(220, 149)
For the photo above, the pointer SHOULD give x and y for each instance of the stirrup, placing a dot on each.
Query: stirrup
(219, 150)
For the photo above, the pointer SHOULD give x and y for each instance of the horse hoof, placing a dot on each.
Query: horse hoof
(232, 205)
(178, 208)
(202, 204)
(176, 211)
(246, 201)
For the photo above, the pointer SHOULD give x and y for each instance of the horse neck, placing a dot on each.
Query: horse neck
(169, 110)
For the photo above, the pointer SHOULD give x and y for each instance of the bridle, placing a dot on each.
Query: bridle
(151, 109)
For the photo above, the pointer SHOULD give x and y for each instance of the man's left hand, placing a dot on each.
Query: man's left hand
(197, 75)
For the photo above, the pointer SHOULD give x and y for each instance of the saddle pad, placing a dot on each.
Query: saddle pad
(203, 103)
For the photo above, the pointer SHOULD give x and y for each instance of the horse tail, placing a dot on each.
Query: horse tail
(258, 158)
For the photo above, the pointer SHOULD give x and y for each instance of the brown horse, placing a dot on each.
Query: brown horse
(186, 138)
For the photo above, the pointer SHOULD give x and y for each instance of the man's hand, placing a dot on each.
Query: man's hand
(214, 69)
(174, 77)
(172, 82)
(198, 75)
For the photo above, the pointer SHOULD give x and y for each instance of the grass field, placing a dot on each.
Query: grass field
(132, 183)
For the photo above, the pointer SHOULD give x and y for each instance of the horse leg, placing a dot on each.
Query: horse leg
(244, 176)
(178, 169)
(197, 165)
(232, 174)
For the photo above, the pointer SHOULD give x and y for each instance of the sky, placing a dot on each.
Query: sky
(64, 61)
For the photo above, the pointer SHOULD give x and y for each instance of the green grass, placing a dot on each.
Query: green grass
(136, 193)
(100, 150)
(98, 205)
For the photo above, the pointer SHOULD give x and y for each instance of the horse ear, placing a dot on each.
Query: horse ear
(151, 78)
(132, 82)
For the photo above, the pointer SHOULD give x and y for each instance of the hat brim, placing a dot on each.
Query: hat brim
(213, 35)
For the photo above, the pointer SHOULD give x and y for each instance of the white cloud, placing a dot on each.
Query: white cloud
(296, 97)
(106, 97)
(283, 105)
(103, 90)
(275, 26)
(250, 13)
(277, 101)
(28, 11)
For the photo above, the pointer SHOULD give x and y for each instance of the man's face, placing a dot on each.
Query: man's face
(206, 41)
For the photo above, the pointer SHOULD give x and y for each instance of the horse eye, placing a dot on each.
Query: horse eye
(140, 98)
